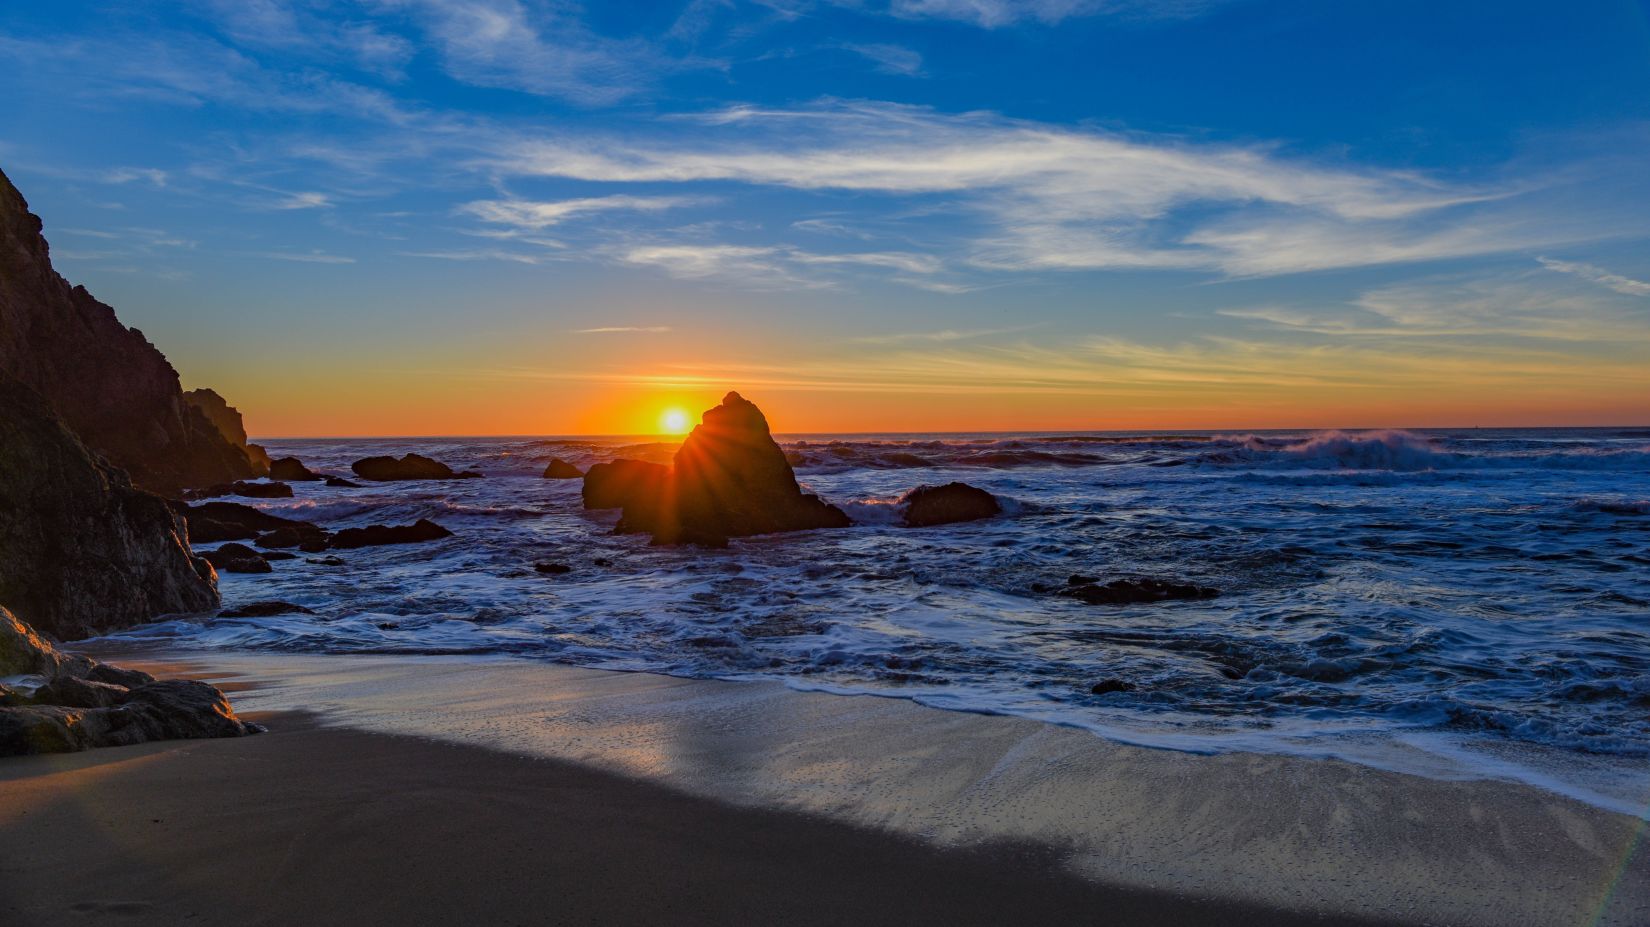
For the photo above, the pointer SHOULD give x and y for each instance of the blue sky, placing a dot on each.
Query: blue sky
(384, 215)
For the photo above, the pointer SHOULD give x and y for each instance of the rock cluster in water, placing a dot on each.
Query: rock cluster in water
(113, 388)
(407, 467)
(81, 550)
(729, 479)
(58, 703)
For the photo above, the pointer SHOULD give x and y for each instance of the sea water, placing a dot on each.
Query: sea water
(1469, 602)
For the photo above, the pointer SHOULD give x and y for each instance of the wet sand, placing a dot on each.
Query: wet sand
(429, 790)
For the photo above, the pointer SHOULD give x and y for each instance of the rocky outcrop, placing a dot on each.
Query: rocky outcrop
(559, 469)
(243, 489)
(81, 550)
(408, 467)
(292, 470)
(232, 521)
(927, 506)
(1132, 591)
(72, 703)
(617, 483)
(237, 558)
(342, 483)
(111, 387)
(227, 419)
(729, 479)
(374, 535)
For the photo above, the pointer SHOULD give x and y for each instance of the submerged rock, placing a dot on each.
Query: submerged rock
(927, 506)
(559, 469)
(112, 388)
(408, 467)
(264, 610)
(554, 569)
(1108, 686)
(81, 550)
(1133, 591)
(729, 479)
(307, 538)
(341, 482)
(292, 470)
(83, 703)
(373, 535)
(237, 558)
(616, 483)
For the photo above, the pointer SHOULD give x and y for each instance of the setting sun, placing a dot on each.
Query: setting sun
(674, 422)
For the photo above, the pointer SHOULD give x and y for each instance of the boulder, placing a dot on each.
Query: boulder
(340, 481)
(264, 610)
(119, 676)
(307, 538)
(237, 558)
(291, 469)
(112, 388)
(233, 521)
(408, 467)
(729, 479)
(244, 489)
(24, 652)
(926, 506)
(554, 569)
(559, 469)
(81, 550)
(613, 484)
(74, 692)
(373, 535)
(1133, 591)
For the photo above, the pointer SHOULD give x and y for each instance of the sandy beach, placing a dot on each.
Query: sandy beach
(397, 790)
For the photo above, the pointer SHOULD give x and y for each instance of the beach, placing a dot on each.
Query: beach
(429, 789)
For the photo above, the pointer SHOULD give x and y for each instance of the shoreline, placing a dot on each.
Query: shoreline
(1269, 832)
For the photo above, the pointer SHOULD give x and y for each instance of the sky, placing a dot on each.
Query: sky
(414, 217)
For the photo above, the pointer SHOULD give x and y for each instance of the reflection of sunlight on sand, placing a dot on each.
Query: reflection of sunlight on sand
(1271, 828)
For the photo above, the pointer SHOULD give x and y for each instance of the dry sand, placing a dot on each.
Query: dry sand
(429, 790)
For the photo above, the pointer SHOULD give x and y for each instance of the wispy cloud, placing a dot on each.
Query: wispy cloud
(308, 200)
(1600, 276)
(624, 330)
(306, 257)
(902, 261)
(539, 214)
(890, 59)
(991, 14)
(942, 336)
(478, 254)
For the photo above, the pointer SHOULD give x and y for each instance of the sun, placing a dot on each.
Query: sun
(674, 422)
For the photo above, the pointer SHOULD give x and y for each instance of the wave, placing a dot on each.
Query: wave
(1399, 451)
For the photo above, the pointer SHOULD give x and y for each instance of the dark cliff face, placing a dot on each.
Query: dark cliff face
(81, 550)
(113, 388)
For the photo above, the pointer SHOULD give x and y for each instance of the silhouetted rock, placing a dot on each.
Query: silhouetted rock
(227, 419)
(409, 467)
(111, 387)
(559, 469)
(616, 483)
(82, 703)
(1108, 686)
(264, 610)
(554, 569)
(1134, 591)
(292, 470)
(237, 558)
(81, 550)
(243, 489)
(232, 521)
(327, 561)
(307, 538)
(341, 482)
(729, 479)
(373, 535)
(926, 506)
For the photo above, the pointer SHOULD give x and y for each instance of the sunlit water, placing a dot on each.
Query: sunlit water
(1475, 596)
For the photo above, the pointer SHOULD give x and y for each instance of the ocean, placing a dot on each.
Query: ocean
(1446, 602)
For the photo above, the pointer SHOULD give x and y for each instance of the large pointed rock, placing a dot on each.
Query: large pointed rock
(81, 550)
(730, 479)
(114, 389)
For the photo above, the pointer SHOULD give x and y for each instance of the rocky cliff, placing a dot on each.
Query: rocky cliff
(81, 550)
(106, 381)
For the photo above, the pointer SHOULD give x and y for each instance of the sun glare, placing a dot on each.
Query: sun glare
(674, 422)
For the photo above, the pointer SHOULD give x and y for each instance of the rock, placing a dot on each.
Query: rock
(291, 469)
(179, 709)
(227, 419)
(11, 698)
(237, 558)
(73, 692)
(422, 530)
(274, 555)
(243, 488)
(555, 569)
(110, 386)
(264, 610)
(1134, 591)
(119, 676)
(561, 470)
(613, 484)
(729, 479)
(24, 652)
(926, 506)
(81, 550)
(232, 521)
(340, 481)
(409, 467)
(1107, 686)
(307, 538)
(327, 561)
